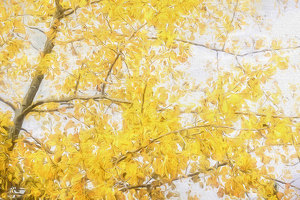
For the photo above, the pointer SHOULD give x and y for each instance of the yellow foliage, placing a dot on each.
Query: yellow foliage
(104, 108)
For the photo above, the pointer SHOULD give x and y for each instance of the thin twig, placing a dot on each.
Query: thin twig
(135, 32)
(232, 18)
(35, 28)
(234, 12)
(230, 53)
(51, 110)
(108, 73)
(282, 182)
(264, 115)
(38, 142)
(12, 106)
(77, 84)
(143, 98)
(78, 79)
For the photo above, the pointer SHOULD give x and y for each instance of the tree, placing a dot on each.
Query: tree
(104, 101)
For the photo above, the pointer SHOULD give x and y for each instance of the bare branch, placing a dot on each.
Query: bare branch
(79, 76)
(51, 110)
(12, 106)
(108, 73)
(264, 115)
(135, 32)
(282, 182)
(234, 11)
(41, 145)
(35, 28)
(77, 84)
(81, 121)
(230, 53)
(71, 98)
(143, 98)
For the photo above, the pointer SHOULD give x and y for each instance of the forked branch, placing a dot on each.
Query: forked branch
(38, 78)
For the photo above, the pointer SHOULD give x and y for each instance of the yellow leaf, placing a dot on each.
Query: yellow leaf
(258, 44)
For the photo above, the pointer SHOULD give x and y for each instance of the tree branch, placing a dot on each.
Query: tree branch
(37, 79)
(153, 185)
(12, 106)
(51, 110)
(143, 98)
(71, 98)
(282, 182)
(41, 145)
(35, 28)
(123, 157)
(230, 53)
(264, 115)
(108, 73)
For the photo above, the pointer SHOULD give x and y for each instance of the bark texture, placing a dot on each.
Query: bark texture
(37, 79)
